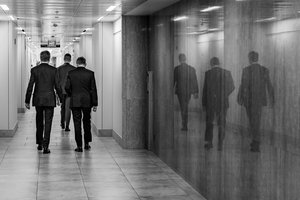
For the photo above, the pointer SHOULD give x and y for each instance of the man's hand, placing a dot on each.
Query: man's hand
(195, 96)
(94, 108)
(27, 105)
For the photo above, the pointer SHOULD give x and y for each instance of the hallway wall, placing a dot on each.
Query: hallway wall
(103, 66)
(117, 77)
(8, 72)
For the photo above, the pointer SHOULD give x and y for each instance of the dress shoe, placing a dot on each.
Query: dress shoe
(46, 151)
(40, 147)
(62, 126)
(184, 128)
(208, 146)
(67, 129)
(256, 149)
(87, 147)
(220, 146)
(79, 149)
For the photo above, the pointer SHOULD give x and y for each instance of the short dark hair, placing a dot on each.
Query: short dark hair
(214, 61)
(253, 56)
(182, 56)
(45, 56)
(67, 57)
(81, 61)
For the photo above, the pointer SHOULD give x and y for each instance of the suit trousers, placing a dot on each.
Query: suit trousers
(65, 111)
(85, 115)
(254, 116)
(44, 116)
(221, 121)
(184, 107)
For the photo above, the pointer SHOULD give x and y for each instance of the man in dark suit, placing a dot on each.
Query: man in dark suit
(253, 95)
(218, 85)
(43, 78)
(81, 86)
(65, 111)
(186, 84)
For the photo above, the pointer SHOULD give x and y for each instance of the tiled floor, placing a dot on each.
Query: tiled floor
(106, 172)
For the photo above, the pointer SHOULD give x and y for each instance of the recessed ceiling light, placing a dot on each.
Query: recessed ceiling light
(111, 8)
(100, 18)
(179, 18)
(211, 8)
(4, 7)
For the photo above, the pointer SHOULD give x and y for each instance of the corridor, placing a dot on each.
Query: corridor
(106, 172)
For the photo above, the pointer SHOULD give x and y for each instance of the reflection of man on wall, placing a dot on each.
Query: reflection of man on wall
(253, 95)
(185, 82)
(218, 85)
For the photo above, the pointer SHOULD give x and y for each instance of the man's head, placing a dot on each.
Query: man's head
(81, 61)
(253, 57)
(67, 58)
(182, 58)
(214, 61)
(45, 56)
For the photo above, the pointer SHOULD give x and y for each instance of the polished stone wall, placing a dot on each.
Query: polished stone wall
(229, 33)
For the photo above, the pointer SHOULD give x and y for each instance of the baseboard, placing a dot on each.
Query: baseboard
(9, 133)
(117, 138)
(21, 110)
(105, 133)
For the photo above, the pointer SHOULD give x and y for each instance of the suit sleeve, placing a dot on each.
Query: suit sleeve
(68, 86)
(57, 86)
(94, 91)
(204, 93)
(241, 96)
(175, 77)
(30, 87)
(269, 86)
(229, 83)
(194, 82)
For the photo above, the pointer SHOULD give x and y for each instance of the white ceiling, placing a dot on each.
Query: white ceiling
(62, 20)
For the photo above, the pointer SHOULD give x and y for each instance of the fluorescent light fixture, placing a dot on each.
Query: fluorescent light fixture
(111, 8)
(100, 18)
(12, 17)
(4, 7)
(19, 28)
(266, 19)
(179, 18)
(89, 29)
(211, 8)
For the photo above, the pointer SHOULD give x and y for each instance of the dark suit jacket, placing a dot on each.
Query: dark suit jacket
(81, 86)
(44, 79)
(62, 72)
(218, 85)
(255, 84)
(185, 80)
